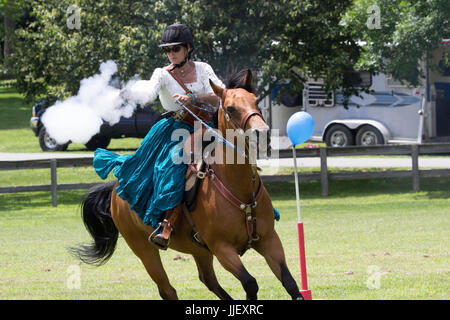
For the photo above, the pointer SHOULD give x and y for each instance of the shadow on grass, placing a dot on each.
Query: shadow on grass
(14, 112)
(24, 200)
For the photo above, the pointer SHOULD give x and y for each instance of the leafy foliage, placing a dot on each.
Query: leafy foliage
(52, 56)
(322, 38)
(268, 37)
(408, 32)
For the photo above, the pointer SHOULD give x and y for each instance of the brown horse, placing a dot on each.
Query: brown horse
(233, 212)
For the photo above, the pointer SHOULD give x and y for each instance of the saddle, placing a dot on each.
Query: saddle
(194, 147)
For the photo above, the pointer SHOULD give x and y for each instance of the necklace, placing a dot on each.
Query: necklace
(183, 72)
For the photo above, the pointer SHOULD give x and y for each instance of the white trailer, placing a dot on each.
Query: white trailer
(390, 113)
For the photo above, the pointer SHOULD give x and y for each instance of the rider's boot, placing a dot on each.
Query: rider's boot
(161, 236)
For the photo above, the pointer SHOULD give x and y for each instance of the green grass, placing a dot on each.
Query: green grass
(15, 134)
(363, 225)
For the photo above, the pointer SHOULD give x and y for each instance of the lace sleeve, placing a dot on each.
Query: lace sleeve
(145, 91)
(209, 74)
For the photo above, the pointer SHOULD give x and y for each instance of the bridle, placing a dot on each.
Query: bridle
(245, 119)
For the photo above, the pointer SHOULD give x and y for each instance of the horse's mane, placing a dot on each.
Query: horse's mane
(235, 80)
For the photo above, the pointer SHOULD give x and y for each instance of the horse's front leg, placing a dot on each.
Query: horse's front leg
(230, 260)
(272, 250)
(208, 276)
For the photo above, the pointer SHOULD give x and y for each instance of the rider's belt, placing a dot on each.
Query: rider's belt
(186, 117)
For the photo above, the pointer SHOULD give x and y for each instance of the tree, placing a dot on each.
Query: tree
(307, 35)
(270, 37)
(10, 12)
(408, 31)
(67, 41)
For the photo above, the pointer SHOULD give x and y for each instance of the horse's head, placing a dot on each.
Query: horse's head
(239, 111)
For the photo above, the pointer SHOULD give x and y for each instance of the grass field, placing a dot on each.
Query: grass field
(370, 239)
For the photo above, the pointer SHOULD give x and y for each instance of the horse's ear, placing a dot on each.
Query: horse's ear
(248, 79)
(218, 90)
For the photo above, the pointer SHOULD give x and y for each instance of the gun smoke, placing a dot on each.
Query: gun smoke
(79, 118)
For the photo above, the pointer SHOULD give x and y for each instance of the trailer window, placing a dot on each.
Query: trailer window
(391, 82)
(317, 96)
(444, 68)
(366, 78)
(361, 79)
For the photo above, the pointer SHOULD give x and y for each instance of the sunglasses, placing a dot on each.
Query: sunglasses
(175, 49)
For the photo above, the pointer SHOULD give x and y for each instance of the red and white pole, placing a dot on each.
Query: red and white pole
(301, 236)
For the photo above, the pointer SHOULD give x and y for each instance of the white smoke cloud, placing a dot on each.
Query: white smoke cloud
(80, 117)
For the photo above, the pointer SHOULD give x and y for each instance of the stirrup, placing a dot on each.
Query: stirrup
(157, 238)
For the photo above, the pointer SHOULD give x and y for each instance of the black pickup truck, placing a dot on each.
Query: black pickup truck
(136, 126)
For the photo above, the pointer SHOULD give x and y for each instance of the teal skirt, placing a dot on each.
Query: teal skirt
(148, 179)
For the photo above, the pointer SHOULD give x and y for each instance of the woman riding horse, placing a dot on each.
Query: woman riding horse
(233, 213)
(233, 210)
(149, 180)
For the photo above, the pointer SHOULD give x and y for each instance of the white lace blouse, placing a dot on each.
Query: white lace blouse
(162, 84)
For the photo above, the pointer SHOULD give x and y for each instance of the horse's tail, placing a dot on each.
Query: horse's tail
(97, 220)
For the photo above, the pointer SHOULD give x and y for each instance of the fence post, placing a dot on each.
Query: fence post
(54, 183)
(415, 167)
(324, 171)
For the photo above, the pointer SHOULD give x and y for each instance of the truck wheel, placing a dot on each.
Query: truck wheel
(369, 136)
(339, 136)
(47, 143)
(97, 142)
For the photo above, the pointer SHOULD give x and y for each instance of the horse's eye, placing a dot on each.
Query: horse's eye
(231, 109)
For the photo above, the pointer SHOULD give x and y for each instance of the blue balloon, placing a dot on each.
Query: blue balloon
(300, 127)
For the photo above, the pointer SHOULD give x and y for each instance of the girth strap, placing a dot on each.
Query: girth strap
(195, 235)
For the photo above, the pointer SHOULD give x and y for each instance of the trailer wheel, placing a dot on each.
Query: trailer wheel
(339, 136)
(368, 135)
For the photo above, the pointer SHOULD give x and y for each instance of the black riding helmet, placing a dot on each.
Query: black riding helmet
(176, 34)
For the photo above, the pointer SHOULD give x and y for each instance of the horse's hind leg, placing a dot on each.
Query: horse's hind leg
(208, 276)
(231, 261)
(272, 250)
(149, 255)
(137, 240)
(152, 261)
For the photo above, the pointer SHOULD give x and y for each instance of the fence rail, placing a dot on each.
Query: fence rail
(413, 150)
(324, 176)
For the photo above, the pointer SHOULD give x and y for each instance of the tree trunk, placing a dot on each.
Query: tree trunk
(10, 26)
